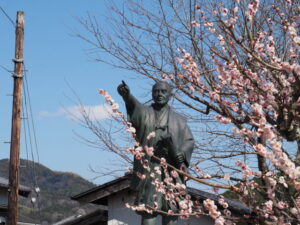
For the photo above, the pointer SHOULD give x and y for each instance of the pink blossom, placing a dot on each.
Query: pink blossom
(224, 11)
(170, 212)
(157, 170)
(235, 10)
(260, 149)
(287, 67)
(226, 177)
(223, 203)
(297, 69)
(138, 156)
(297, 185)
(149, 151)
(268, 206)
(138, 149)
(102, 92)
(208, 24)
(281, 180)
(209, 204)
(219, 221)
(191, 88)
(127, 123)
(180, 187)
(108, 98)
(140, 175)
(115, 107)
(212, 30)
(214, 214)
(222, 119)
(195, 24)
(151, 135)
(214, 96)
(282, 205)
(174, 174)
(131, 130)
(252, 9)
(294, 211)
(227, 212)
(206, 176)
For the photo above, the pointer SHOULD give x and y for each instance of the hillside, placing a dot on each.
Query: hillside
(56, 188)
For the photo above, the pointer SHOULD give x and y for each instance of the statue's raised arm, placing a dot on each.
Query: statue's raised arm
(123, 90)
(129, 99)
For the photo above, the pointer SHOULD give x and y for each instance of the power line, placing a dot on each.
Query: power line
(31, 116)
(8, 17)
(31, 129)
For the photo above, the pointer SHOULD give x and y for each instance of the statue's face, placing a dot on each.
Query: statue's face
(161, 93)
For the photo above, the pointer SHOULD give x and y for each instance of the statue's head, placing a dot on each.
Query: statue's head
(161, 92)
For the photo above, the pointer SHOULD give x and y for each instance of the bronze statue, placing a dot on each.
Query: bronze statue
(173, 141)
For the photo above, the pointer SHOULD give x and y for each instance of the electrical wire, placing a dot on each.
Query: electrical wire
(32, 136)
(31, 116)
(28, 166)
(8, 17)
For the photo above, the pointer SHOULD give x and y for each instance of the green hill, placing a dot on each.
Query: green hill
(53, 201)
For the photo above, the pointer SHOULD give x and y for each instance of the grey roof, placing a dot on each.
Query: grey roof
(99, 195)
(98, 216)
(23, 190)
(3, 207)
(21, 223)
(234, 206)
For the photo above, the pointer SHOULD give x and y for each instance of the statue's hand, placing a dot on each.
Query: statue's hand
(180, 159)
(183, 168)
(167, 141)
(123, 89)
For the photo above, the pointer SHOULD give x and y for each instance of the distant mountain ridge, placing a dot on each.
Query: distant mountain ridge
(53, 201)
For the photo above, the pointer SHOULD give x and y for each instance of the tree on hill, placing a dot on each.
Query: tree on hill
(55, 189)
(234, 63)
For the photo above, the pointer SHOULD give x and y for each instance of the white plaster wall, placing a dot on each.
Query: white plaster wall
(3, 196)
(118, 214)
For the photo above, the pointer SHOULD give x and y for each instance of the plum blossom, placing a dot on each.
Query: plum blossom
(149, 151)
(260, 149)
(224, 11)
(226, 177)
(174, 174)
(222, 119)
(195, 24)
(151, 135)
(268, 207)
(213, 211)
(157, 170)
(223, 203)
(252, 9)
(115, 107)
(282, 205)
(131, 130)
(294, 211)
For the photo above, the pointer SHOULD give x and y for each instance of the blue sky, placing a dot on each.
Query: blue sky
(55, 60)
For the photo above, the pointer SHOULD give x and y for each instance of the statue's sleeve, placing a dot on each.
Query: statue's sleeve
(187, 145)
(135, 111)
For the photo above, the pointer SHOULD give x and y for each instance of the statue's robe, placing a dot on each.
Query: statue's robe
(146, 119)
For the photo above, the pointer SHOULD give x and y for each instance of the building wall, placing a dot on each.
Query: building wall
(3, 196)
(118, 214)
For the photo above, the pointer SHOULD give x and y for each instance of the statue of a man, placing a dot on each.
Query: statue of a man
(173, 141)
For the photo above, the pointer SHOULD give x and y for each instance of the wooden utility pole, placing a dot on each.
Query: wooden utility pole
(13, 195)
